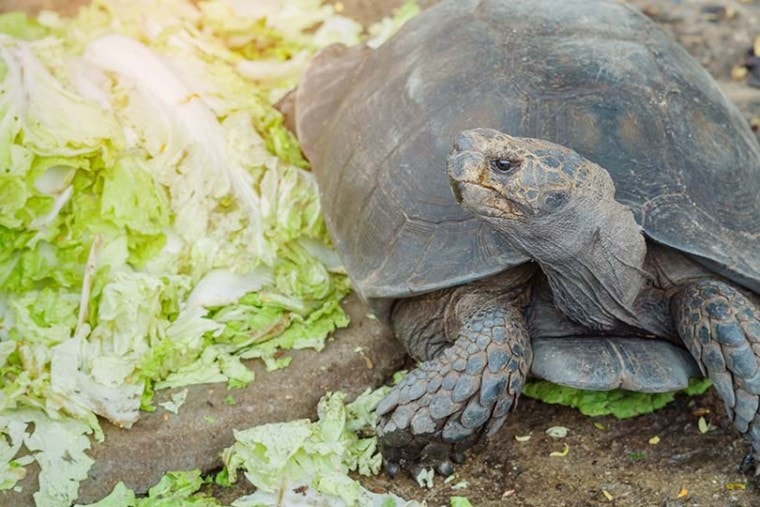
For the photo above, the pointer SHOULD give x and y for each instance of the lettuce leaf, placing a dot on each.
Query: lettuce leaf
(174, 488)
(57, 445)
(617, 402)
(307, 463)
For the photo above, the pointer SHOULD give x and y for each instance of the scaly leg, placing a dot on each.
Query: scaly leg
(460, 394)
(721, 328)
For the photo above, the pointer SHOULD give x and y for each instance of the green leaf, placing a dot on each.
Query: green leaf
(120, 496)
(618, 402)
(313, 458)
(21, 26)
(174, 488)
(460, 501)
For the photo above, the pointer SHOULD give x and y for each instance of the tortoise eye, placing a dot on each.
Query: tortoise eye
(503, 165)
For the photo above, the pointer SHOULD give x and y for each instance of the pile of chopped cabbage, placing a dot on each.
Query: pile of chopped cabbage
(157, 221)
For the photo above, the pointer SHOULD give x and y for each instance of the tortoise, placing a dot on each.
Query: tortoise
(549, 188)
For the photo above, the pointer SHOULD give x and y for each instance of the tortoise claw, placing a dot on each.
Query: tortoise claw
(458, 457)
(419, 472)
(391, 468)
(445, 468)
(435, 456)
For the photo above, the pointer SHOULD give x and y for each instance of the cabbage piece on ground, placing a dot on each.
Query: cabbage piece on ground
(307, 463)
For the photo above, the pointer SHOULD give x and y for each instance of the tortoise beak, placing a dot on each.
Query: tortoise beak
(464, 165)
(467, 159)
(456, 189)
(464, 169)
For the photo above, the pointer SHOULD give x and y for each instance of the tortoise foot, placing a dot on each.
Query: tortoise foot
(449, 403)
(721, 328)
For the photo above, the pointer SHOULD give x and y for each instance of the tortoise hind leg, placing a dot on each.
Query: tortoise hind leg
(460, 395)
(721, 328)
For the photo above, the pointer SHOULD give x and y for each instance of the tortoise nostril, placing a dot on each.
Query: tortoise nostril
(463, 142)
(464, 166)
(456, 189)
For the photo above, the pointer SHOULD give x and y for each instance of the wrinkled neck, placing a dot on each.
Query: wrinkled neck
(592, 254)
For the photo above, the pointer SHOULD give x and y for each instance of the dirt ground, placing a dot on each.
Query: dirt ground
(612, 466)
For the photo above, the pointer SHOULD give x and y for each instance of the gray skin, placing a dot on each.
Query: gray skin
(569, 274)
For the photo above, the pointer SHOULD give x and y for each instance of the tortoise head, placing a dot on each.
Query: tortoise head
(498, 176)
(559, 209)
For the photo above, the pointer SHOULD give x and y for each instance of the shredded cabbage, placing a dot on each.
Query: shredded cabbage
(157, 222)
(307, 463)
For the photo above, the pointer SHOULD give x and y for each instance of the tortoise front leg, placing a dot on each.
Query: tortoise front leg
(460, 395)
(721, 328)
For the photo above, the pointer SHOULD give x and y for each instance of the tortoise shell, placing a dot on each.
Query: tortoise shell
(596, 76)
